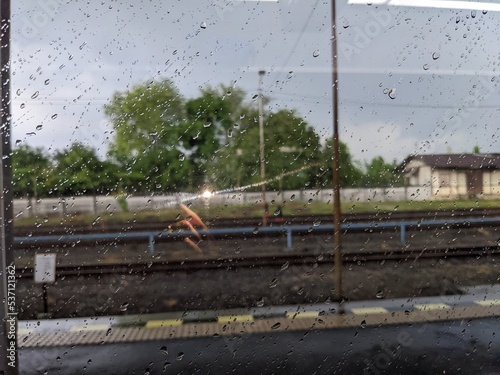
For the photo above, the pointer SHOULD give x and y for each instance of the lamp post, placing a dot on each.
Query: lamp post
(262, 160)
(336, 164)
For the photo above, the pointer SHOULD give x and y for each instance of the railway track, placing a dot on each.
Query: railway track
(378, 217)
(275, 260)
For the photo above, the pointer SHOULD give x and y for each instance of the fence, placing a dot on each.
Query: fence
(100, 204)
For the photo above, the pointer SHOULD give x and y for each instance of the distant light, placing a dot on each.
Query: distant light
(443, 4)
(207, 194)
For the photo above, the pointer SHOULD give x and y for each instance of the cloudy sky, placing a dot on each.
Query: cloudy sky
(412, 80)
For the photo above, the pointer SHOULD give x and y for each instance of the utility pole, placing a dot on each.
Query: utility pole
(336, 163)
(262, 160)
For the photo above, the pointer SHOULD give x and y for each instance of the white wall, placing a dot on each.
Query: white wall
(89, 205)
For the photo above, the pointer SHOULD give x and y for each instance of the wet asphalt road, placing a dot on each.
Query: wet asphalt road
(450, 347)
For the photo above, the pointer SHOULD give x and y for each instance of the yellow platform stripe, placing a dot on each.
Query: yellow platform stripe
(489, 302)
(369, 310)
(432, 306)
(302, 314)
(163, 323)
(90, 327)
(234, 318)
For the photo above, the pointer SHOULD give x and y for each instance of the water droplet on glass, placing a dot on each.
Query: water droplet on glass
(47, 81)
(124, 306)
(363, 324)
(108, 332)
(22, 106)
(457, 20)
(180, 356)
(435, 55)
(292, 197)
(284, 266)
(379, 294)
(18, 142)
(273, 283)
(276, 325)
(473, 14)
(39, 127)
(426, 66)
(182, 157)
(207, 125)
(316, 223)
(255, 230)
(54, 116)
(260, 302)
(316, 53)
(392, 93)
(203, 25)
(164, 350)
(35, 95)
(485, 11)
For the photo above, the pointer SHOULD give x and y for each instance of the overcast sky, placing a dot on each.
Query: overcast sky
(412, 80)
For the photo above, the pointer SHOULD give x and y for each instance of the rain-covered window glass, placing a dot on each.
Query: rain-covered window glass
(250, 186)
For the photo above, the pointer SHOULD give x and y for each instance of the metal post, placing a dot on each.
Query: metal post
(262, 156)
(336, 164)
(8, 318)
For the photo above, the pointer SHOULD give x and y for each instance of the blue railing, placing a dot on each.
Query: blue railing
(287, 230)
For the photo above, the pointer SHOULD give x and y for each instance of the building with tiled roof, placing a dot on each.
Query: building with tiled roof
(454, 175)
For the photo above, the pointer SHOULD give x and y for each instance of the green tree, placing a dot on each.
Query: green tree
(30, 170)
(292, 153)
(379, 173)
(78, 171)
(147, 121)
(350, 170)
(210, 119)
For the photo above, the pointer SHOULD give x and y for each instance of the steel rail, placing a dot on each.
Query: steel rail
(283, 260)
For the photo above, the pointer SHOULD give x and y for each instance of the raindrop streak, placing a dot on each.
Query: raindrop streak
(316, 53)
(273, 283)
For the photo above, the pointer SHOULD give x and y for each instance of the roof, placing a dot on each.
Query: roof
(456, 161)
